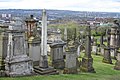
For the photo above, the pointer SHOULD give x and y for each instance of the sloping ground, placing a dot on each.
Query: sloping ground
(103, 72)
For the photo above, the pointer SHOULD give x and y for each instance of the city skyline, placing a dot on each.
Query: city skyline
(78, 5)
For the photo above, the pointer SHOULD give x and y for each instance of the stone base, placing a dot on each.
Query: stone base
(70, 71)
(108, 61)
(45, 71)
(35, 63)
(117, 65)
(58, 64)
(18, 66)
(43, 61)
(87, 65)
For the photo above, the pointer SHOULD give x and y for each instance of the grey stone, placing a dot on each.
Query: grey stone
(17, 63)
(71, 63)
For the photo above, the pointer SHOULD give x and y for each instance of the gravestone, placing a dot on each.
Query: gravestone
(34, 49)
(117, 64)
(71, 63)
(17, 63)
(107, 56)
(102, 50)
(95, 48)
(113, 52)
(87, 60)
(57, 55)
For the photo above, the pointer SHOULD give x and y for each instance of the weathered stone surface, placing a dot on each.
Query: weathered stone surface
(71, 63)
(58, 64)
(57, 55)
(3, 49)
(117, 64)
(87, 60)
(34, 50)
(107, 56)
(87, 65)
(17, 63)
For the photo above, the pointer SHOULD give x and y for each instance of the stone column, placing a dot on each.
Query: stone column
(107, 54)
(113, 37)
(117, 64)
(43, 67)
(101, 40)
(87, 60)
(43, 55)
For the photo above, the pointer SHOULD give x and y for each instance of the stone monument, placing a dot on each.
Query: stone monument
(71, 62)
(43, 67)
(87, 60)
(17, 63)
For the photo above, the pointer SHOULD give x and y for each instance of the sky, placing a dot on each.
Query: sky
(75, 5)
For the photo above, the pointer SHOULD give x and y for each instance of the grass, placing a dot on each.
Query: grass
(103, 72)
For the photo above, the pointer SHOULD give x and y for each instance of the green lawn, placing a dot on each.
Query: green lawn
(103, 72)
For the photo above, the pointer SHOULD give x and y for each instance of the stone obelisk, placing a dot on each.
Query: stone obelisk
(43, 55)
(43, 67)
(87, 60)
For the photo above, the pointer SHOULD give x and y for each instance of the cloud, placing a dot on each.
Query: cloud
(77, 5)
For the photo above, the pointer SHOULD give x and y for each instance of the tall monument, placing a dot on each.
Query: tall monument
(87, 60)
(43, 67)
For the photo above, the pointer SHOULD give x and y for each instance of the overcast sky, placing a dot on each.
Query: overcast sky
(75, 5)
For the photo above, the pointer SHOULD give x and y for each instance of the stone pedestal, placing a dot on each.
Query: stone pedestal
(18, 66)
(17, 63)
(107, 56)
(34, 50)
(117, 64)
(87, 65)
(71, 63)
(57, 55)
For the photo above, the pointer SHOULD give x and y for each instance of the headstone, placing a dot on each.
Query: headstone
(107, 56)
(34, 50)
(43, 67)
(71, 63)
(87, 60)
(17, 63)
(102, 49)
(95, 48)
(117, 64)
(113, 52)
(57, 55)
